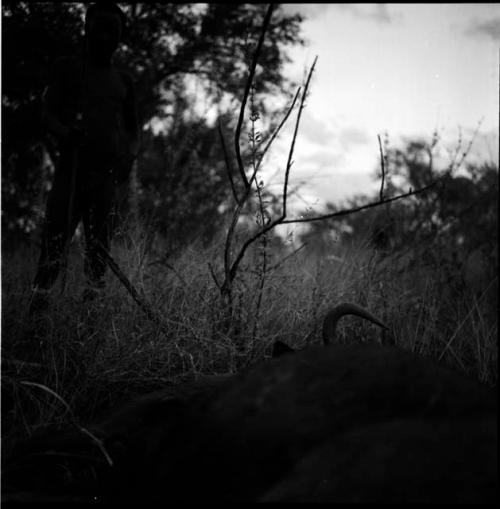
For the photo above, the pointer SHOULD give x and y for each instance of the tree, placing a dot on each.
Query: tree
(32, 35)
(447, 223)
(174, 179)
(167, 41)
(165, 46)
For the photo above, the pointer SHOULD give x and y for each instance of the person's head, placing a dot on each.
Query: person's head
(104, 24)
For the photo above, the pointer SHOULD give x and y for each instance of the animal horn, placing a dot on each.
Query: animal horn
(336, 313)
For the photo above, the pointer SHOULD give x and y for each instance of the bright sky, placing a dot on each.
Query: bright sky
(401, 69)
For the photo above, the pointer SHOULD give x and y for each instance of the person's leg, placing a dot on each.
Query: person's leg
(96, 219)
(62, 216)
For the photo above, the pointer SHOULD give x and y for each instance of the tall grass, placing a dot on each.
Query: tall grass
(79, 359)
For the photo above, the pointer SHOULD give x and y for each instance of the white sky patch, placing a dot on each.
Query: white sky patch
(401, 69)
(314, 129)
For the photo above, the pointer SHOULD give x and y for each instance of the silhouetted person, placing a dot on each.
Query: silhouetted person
(90, 107)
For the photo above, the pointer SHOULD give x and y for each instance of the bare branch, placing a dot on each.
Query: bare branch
(465, 153)
(214, 277)
(230, 273)
(228, 269)
(382, 164)
(347, 212)
(245, 96)
(278, 129)
(246, 244)
(150, 313)
(228, 163)
(254, 174)
(292, 145)
(319, 218)
(230, 235)
(283, 260)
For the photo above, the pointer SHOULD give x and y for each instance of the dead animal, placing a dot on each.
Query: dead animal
(335, 423)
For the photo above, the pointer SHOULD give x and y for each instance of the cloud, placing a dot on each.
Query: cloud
(308, 10)
(315, 130)
(488, 28)
(382, 14)
(376, 12)
(328, 147)
(322, 159)
(353, 136)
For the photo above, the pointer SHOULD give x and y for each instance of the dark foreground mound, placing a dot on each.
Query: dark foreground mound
(359, 423)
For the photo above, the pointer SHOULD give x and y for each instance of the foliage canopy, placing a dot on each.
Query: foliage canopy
(166, 48)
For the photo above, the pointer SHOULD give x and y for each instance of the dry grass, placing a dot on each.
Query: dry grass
(96, 355)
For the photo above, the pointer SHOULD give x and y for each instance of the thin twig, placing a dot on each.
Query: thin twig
(244, 198)
(266, 148)
(382, 165)
(228, 163)
(249, 82)
(150, 313)
(231, 272)
(465, 153)
(283, 260)
(262, 273)
(320, 218)
(296, 130)
(214, 277)
(225, 287)
(347, 212)
(276, 132)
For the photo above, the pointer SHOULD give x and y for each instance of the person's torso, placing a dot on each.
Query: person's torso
(94, 99)
(103, 98)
